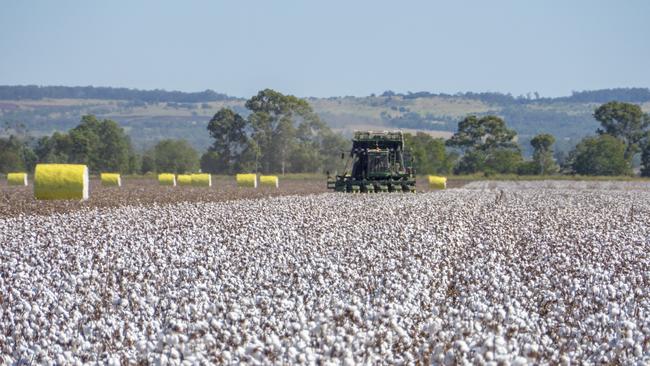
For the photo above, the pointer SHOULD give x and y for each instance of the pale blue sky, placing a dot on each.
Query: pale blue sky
(328, 48)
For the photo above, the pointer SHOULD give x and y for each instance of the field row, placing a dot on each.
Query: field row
(514, 274)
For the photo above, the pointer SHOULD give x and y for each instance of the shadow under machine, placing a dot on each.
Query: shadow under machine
(378, 162)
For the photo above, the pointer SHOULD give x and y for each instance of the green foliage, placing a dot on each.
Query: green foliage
(148, 163)
(645, 156)
(102, 145)
(228, 129)
(528, 168)
(624, 121)
(304, 157)
(473, 161)
(429, 154)
(113, 153)
(488, 145)
(53, 149)
(601, 155)
(140, 112)
(503, 161)
(135, 162)
(281, 134)
(9, 92)
(279, 123)
(331, 146)
(485, 133)
(212, 163)
(84, 140)
(543, 155)
(543, 142)
(175, 156)
(15, 155)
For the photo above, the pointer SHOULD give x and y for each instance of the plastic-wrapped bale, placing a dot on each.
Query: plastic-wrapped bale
(167, 179)
(269, 181)
(247, 180)
(111, 180)
(184, 180)
(202, 180)
(436, 182)
(17, 179)
(61, 182)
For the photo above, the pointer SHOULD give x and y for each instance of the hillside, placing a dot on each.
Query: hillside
(149, 116)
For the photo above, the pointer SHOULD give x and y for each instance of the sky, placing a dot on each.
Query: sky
(328, 48)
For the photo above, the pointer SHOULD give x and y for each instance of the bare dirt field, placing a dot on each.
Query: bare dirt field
(20, 200)
(16, 201)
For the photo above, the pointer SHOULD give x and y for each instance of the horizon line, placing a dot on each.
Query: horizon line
(439, 93)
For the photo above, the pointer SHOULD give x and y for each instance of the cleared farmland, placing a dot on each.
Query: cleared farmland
(15, 201)
(522, 273)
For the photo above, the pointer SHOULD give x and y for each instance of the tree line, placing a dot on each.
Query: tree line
(630, 95)
(17, 92)
(489, 146)
(282, 134)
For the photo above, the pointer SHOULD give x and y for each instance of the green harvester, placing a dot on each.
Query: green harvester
(378, 162)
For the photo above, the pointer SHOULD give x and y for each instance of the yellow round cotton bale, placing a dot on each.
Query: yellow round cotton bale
(111, 180)
(436, 182)
(202, 180)
(17, 179)
(247, 180)
(61, 182)
(184, 180)
(167, 179)
(269, 181)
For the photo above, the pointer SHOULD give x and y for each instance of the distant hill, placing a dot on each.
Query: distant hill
(35, 92)
(150, 115)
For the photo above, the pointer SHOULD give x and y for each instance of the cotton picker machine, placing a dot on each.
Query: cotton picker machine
(379, 163)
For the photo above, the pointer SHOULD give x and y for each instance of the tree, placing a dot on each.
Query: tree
(484, 142)
(645, 156)
(228, 129)
(624, 121)
(15, 155)
(113, 150)
(472, 161)
(528, 168)
(135, 162)
(281, 134)
(84, 141)
(54, 149)
(429, 154)
(278, 123)
(148, 163)
(543, 154)
(601, 155)
(212, 163)
(102, 145)
(330, 149)
(503, 161)
(486, 133)
(175, 156)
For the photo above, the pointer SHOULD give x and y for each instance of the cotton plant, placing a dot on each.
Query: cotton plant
(512, 274)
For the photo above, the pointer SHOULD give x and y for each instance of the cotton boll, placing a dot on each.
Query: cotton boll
(458, 279)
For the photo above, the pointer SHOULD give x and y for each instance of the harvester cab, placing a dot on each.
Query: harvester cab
(378, 162)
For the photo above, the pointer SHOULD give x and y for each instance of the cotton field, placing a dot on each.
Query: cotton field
(507, 273)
